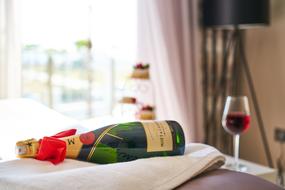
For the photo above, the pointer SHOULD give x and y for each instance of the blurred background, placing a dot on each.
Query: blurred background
(77, 54)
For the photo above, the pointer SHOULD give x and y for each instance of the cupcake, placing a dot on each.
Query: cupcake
(146, 113)
(141, 71)
(128, 100)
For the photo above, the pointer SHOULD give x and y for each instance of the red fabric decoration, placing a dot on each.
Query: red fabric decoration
(65, 133)
(52, 148)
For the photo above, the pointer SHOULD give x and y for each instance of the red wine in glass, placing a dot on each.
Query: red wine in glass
(236, 119)
(237, 122)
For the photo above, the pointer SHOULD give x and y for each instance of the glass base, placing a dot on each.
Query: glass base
(238, 168)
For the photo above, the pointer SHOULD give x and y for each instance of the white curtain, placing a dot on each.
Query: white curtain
(168, 38)
(10, 64)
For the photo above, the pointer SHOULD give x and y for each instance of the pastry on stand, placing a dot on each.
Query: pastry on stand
(128, 100)
(146, 113)
(136, 92)
(141, 71)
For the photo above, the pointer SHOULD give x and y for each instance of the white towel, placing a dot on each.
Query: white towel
(151, 173)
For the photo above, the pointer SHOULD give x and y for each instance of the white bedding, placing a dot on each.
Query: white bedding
(23, 119)
(152, 173)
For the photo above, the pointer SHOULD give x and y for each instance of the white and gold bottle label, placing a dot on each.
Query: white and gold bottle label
(159, 136)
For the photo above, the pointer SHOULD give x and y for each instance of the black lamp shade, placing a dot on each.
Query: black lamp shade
(235, 13)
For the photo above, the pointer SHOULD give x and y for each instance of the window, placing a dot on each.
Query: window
(76, 54)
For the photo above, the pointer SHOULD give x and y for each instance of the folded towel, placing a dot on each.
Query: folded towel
(151, 173)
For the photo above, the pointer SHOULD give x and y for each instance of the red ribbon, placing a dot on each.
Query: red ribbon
(52, 148)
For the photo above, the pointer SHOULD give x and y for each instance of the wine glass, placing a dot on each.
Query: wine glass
(236, 119)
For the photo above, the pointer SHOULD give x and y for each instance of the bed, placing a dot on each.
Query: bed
(226, 179)
(20, 117)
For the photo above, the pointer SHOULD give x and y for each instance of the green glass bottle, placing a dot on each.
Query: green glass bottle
(127, 141)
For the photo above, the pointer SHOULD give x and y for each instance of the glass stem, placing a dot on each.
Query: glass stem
(236, 151)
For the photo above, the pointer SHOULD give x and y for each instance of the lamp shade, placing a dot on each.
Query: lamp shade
(235, 13)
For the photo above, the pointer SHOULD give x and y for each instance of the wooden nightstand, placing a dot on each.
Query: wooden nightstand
(264, 172)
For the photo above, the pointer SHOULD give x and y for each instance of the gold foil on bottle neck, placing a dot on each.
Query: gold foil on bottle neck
(27, 148)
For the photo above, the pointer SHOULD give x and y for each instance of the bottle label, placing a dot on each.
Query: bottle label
(73, 146)
(159, 136)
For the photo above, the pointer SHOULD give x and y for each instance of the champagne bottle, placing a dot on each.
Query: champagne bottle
(126, 141)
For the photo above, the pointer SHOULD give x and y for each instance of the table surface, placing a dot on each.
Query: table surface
(264, 172)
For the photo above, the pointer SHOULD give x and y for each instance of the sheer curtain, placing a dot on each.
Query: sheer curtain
(168, 38)
(10, 48)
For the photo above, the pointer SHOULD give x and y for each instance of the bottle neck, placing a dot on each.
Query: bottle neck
(27, 148)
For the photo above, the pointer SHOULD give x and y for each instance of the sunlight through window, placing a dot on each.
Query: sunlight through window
(76, 54)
